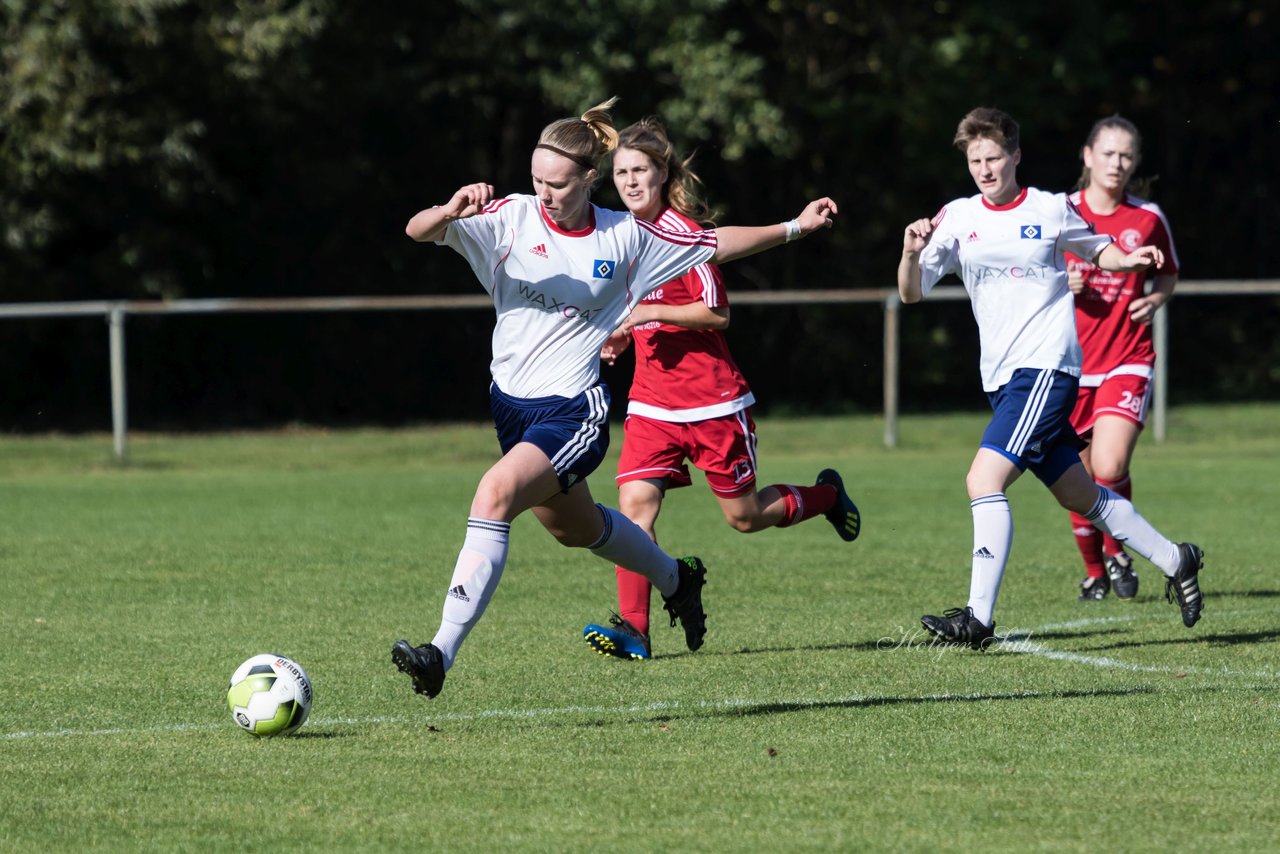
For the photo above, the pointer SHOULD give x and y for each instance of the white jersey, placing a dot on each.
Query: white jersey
(558, 294)
(1010, 258)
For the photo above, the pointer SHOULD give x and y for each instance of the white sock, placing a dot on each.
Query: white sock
(626, 544)
(992, 540)
(475, 577)
(1115, 515)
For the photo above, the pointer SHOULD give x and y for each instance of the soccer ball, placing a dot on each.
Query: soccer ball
(269, 695)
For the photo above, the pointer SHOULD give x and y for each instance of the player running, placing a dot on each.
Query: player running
(1113, 320)
(1008, 245)
(563, 274)
(688, 400)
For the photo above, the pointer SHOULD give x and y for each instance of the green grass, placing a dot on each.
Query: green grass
(815, 718)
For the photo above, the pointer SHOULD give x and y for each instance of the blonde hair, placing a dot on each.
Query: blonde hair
(987, 123)
(583, 140)
(682, 187)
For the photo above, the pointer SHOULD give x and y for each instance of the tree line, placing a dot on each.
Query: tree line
(175, 148)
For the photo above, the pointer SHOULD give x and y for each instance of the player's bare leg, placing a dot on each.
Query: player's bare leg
(753, 511)
(783, 505)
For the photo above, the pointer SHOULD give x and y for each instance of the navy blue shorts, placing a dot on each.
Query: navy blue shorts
(572, 431)
(1032, 422)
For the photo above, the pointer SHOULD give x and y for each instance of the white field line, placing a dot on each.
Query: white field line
(562, 711)
(1019, 642)
(1023, 642)
(1029, 647)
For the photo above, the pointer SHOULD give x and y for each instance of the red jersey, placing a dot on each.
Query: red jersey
(686, 375)
(1108, 337)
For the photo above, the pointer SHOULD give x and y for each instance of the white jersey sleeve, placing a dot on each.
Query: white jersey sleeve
(663, 255)
(484, 239)
(941, 255)
(1078, 237)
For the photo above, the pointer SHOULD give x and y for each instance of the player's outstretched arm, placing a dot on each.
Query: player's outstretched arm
(429, 224)
(914, 239)
(1114, 258)
(739, 241)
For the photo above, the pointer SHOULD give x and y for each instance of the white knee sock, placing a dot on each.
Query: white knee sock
(475, 577)
(992, 539)
(1115, 515)
(626, 544)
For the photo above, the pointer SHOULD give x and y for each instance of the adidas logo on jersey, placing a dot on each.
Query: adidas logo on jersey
(460, 593)
(973, 235)
(540, 250)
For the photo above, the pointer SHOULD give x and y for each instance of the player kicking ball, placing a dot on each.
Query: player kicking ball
(563, 274)
(1007, 245)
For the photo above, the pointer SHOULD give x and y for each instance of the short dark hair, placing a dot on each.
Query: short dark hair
(987, 123)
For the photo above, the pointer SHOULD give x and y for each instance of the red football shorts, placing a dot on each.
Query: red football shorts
(723, 448)
(1124, 395)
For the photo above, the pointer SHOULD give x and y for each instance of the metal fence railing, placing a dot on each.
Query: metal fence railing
(116, 312)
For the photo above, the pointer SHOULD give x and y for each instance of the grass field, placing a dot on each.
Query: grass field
(815, 718)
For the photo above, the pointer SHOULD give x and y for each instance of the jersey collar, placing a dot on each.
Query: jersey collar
(1007, 206)
(581, 232)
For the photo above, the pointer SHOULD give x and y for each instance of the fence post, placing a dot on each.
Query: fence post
(119, 404)
(1160, 385)
(891, 349)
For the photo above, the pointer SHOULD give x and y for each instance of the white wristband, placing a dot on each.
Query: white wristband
(793, 230)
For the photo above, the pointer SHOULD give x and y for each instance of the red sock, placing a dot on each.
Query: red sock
(633, 598)
(1089, 541)
(1123, 488)
(803, 502)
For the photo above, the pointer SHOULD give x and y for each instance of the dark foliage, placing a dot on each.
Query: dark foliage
(185, 149)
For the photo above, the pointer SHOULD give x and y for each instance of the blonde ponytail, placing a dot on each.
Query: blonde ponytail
(583, 140)
(600, 121)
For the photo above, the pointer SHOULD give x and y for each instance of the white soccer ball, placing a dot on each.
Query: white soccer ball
(269, 695)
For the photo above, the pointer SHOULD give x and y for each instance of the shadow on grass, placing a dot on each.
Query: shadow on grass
(1014, 635)
(762, 650)
(320, 734)
(1245, 594)
(747, 709)
(1217, 639)
(902, 638)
